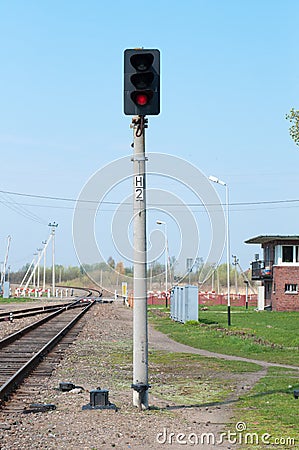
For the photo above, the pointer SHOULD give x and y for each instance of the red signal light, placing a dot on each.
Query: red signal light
(141, 99)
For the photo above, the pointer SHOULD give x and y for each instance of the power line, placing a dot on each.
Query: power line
(65, 199)
(19, 209)
(71, 208)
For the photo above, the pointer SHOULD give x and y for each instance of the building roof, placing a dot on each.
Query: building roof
(264, 239)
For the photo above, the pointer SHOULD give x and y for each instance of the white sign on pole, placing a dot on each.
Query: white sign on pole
(139, 187)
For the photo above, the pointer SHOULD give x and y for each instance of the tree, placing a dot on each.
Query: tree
(293, 117)
(111, 262)
(120, 268)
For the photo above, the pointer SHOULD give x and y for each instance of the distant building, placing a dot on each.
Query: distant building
(278, 271)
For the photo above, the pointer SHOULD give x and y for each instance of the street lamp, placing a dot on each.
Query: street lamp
(160, 222)
(222, 183)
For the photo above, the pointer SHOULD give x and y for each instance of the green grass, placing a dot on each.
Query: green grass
(183, 379)
(176, 378)
(17, 300)
(278, 327)
(188, 379)
(268, 336)
(271, 408)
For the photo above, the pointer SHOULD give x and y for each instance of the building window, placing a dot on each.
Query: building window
(291, 288)
(267, 254)
(287, 253)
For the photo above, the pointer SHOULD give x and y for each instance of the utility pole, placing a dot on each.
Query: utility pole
(38, 268)
(3, 273)
(53, 228)
(27, 272)
(35, 264)
(246, 278)
(44, 274)
(235, 263)
(140, 332)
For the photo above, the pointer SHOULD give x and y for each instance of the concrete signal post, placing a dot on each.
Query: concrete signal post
(140, 331)
(141, 98)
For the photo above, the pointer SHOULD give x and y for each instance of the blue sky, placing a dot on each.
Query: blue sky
(229, 76)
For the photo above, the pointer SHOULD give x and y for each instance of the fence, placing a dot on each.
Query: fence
(208, 299)
(204, 299)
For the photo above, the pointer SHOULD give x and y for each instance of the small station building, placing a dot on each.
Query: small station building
(278, 271)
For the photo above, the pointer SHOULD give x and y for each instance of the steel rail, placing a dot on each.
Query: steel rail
(12, 383)
(20, 313)
(14, 336)
(81, 289)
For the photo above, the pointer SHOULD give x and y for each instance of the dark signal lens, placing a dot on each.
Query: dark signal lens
(142, 80)
(142, 61)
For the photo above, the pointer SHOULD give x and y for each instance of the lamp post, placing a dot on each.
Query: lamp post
(222, 183)
(160, 222)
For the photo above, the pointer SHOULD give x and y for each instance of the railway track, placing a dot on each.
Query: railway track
(23, 351)
(13, 314)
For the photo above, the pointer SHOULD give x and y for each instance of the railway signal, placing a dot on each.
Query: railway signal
(141, 98)
(142, 82)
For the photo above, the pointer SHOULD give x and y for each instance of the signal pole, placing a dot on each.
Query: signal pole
(141, 98)
(140, 332)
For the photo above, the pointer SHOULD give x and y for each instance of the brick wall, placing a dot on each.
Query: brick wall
(282, 301)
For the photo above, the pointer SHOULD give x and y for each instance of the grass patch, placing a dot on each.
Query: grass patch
(268, 336)
(17, 300)
(188, 379)
(277, 327)
(271, 408)
(176, 378)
